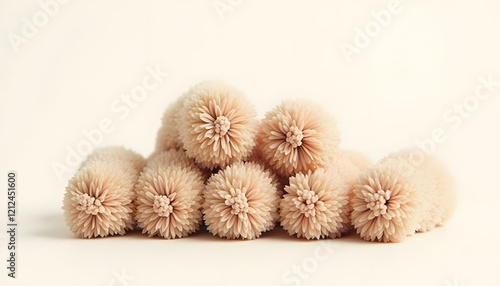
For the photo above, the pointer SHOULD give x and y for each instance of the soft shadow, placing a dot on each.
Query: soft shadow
(278, 233)
(52, 226)
(204, 235)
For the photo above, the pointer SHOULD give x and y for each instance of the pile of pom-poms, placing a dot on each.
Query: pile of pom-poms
(216, 163)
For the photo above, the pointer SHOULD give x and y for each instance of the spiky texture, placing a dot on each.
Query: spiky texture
(297, 136)
(98, 199)
(217, 125)
(241, 201)
(399, 196)
(169, 196)
(314, 205)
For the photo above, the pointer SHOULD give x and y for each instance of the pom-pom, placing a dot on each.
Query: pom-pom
(241, 201)
(297, 136)
(98, 199)
(399, 196)
(169, 196)
(217, 125)
(315, 205)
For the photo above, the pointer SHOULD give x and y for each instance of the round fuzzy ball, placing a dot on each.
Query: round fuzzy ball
(399, 196)
(386, 206)
(169, 196)
(241, 201)
(297, 136)
(217, 125)
(315, 205)
(98, 200)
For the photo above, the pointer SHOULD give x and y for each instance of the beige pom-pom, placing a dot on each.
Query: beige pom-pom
(168, 135)
(401, 195)
(169, 196)
(217, 125)
(315, 205)
(98, 199)
(241, 201)
(297, 136)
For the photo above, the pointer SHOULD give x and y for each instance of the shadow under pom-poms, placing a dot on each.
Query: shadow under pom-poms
(315, 205)
(297, 136)
(400, 195)
(241, 201)
(98, 199)
(169, 196)
(217, 125)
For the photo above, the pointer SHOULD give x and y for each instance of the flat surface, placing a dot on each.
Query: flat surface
(417, 79)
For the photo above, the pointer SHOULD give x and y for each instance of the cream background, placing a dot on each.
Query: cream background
(396, 91)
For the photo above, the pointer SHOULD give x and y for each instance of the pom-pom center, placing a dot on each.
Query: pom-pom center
(162, 206)
(377, 202)
(222, 125)
(238, 201)
(294, 136)
(89, 205)
(306, 201)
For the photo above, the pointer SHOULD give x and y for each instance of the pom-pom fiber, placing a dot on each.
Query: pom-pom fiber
(241, 201)
(169, 196)
(99, 198)
(217, 125)
(297, 136)
(400, 195)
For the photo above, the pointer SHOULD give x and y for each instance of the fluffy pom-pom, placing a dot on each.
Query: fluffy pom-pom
(315, 205)
(169, 196)
(396, 197)
(98, 199)
(297, 136)
(217, 125)
(241, 201)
